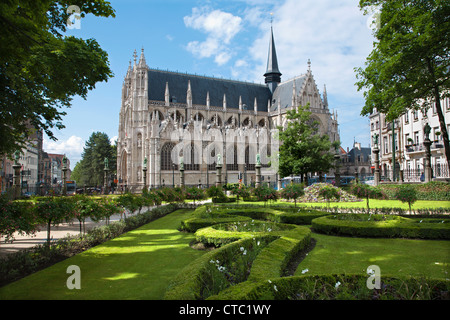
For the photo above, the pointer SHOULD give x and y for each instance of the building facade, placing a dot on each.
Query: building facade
(407, 144)
(170, 121)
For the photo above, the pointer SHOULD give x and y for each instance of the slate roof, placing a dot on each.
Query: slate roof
(283, 92)
(200, 85)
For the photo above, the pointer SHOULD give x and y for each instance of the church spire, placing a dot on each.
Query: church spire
(273, 74)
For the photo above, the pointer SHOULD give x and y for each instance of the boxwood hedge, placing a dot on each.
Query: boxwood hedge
(363, 225)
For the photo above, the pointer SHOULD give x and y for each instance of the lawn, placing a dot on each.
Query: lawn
(396, 257)
(136, 265)
(373, 203)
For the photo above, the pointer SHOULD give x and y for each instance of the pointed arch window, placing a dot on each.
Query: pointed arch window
(166, 157)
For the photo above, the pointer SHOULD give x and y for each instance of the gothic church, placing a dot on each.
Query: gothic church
(156, 104)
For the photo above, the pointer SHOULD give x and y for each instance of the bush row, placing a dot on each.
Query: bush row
(361, 225)
(337, 287)
(271, 246)
(22, 263)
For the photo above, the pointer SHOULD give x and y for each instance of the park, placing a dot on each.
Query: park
(242, 243)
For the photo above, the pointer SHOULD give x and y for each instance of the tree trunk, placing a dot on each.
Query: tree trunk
(48, 232)
(444, 132)
(441, 118)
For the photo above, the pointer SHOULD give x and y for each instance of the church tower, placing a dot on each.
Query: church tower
(273, 74)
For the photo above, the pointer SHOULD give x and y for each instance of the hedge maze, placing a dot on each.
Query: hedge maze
(253, 247)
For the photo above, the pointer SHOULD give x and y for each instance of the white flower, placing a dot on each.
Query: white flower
(211, 261)
(245, 252)
(242, 249)
(268, 229)
(337, 284)
(269, 281)
(275, 287)
(420, 221)
(305, 271)
(258, 243)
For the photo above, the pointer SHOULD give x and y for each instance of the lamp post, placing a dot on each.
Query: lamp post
(144, 171)
(376, 152)
(427, 160)
(219, 171)
(105, 176)
(16, 175)
(181, 172)
(258, 171)
(64, 170)
(173, 175)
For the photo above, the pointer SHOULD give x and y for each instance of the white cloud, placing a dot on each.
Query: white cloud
(333, 34)
(221, 27)
(72, 148)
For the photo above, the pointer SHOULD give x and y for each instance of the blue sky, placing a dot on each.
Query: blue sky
(226, 39)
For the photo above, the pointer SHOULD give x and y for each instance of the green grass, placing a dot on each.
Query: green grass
(396, 257)
(373, 203)
(136, 265)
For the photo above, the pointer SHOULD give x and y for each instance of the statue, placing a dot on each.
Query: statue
(106, 163)
(64, 161)
(16, 157)
(219, 159)
(375, 140)
(427, 130)
(145, 162)
(181, 164)
(258, 159)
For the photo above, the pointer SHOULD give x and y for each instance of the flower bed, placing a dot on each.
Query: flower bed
(313, 194)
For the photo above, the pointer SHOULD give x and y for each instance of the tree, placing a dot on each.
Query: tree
(409, 67)
(53, 211)
(362, 190)
(303, 149)
(41, 70)
(292, 191)
(406, 193)
(92, 164)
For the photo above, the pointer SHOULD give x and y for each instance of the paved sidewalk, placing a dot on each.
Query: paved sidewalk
(57, 232)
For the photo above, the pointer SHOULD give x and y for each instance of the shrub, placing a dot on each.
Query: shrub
(194, 193)
(365, 225)
(406, 193)
(265, 193)
(292, 191)
(367, 192)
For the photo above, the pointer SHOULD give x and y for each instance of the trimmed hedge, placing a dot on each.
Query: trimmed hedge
(337, 287)
(383, 226)
(281, 242)
(195, 281)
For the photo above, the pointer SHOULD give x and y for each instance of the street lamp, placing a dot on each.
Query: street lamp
(173, 175)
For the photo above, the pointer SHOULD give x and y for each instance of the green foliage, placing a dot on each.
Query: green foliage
(367, 192)
(53, 211)
(292, 191)
(90, 170)
(41, 70)
(27, 261)
(406, 193)
(409, 65)
(433, 190)
(16, 216)
(194, 193)
(303, 150)
(242, 191)
(382, 226)
(265, 193)
(337, 287)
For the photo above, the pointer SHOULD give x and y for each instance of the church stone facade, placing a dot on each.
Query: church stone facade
(171, 121)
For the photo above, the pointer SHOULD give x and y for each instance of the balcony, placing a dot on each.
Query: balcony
(420, 147)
